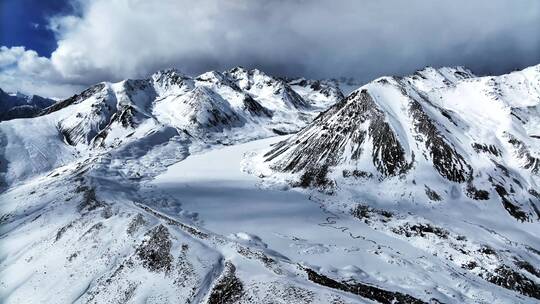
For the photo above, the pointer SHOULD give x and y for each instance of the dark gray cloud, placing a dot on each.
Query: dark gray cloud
(115, 39)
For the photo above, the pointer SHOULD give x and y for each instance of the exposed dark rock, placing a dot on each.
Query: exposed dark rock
(446, 160)
(421, 230)
(255, 108)
(290, 294)
(533, 250)
(21, 106)
(432, 194)
(364, 212)
(532, 163)
(535, 209)
(507, 278)
(154, 252)
(280, 132)
(170, 77)
(191, 230)
(511, 208)
(357, 174)
(491, 149)
(485, 249)
(446, 114)
(126, 117)
(217, 116)
(63, 230)
(228, 289)
(89, 201)
(72, 256)
(89, 123)
(95, 227)
(528, 267)
(135, 224)
(475, 193)
(23, 111)
(324, 143)
(6, 218)
(267, 261)
(184, 268)
(502, 168)
(470, 265)
(316, 178)
(534, 193)
(366, 291)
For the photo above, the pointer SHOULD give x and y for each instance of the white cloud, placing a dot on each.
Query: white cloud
(116, 39)
(9, 56)
(25, 71)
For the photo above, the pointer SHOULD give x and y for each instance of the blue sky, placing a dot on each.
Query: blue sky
(24, 23)
(111, 40)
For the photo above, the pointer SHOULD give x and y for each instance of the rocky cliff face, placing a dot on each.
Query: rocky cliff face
(444, 130)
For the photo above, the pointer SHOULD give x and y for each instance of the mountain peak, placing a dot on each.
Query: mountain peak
(416, 132)
(169, 74)
(237, 69)
(213, 76)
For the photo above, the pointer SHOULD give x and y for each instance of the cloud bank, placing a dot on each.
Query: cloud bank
(116, 39)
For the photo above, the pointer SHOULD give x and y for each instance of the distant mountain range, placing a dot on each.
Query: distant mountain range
(214, 107)
(19, 105)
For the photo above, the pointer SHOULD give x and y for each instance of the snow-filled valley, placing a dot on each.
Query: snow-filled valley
(221, 197)
(240, 187)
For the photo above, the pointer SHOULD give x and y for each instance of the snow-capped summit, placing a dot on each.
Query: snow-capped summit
(268, 88)
(171, 81)
(322, 92)
(438, 129)
(431, 78)
(212, 107)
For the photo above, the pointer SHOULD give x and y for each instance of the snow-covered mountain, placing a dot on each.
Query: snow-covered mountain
(443, 132)
(212, 108)
(320, 92)
(181, 189)
(449, 150)
(18, 105)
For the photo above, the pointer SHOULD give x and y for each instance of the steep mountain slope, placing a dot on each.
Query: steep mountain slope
(427, 156)
(434, 130)
(21, 106)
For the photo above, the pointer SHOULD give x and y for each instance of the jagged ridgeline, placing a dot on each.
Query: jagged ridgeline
(213, 102)
(212, 108)
(443, 133)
